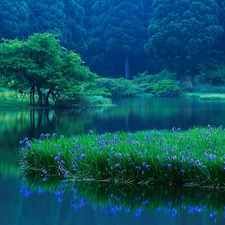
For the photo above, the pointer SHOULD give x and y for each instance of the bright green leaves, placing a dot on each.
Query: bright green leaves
(42, 62)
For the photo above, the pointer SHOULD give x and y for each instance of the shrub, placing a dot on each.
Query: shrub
(161, 84)
(112, 87)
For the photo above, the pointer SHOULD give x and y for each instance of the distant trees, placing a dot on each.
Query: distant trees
(109, 35)
(14, 16)
(113, 36)
(61, 17)
(41, 64)
(183, 33)
(117, 34)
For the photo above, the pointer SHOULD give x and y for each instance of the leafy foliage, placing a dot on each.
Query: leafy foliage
(118, 35)
(113, 87)
(61, 17)
(182, 33)
(14, 17)
(161, 84)
(42, 63)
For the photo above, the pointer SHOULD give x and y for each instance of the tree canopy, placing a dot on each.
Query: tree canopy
(61, 17)
(14, 16)
(118, 35)
(113, 37)
(182, 33)
(40, 63)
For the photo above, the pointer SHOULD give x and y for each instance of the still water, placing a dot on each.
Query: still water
(49, 206)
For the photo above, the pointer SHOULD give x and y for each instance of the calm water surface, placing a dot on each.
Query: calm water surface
(40, 208)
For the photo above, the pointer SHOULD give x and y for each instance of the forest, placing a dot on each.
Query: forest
(160, 45)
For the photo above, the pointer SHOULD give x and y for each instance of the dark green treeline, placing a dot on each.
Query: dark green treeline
(123, 38)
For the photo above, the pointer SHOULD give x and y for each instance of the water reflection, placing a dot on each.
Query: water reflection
(44, 207)
(128, 114)
(101, 201)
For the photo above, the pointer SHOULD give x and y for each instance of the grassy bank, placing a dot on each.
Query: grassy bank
(13, 99)
(205, 96)
(189, 158)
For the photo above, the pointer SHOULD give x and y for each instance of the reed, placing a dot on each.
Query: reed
(193, 157)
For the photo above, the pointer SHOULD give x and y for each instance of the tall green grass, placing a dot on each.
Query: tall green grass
(194, 157)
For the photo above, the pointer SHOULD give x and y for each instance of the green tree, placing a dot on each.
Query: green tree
(14, 19)
(61, 17)
(125, 32)
(183, 33)
(117, 36)
(75, 33)
(41, 63)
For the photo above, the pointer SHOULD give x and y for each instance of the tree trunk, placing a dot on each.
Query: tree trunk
(40, 97)
(32, 90)
(127, 68)
(47, 97)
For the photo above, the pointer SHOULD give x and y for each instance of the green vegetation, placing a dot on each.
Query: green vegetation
(161, 84)
(9, 99)
(184, 33)
(205, 96)
(41, 65)
(112, 87)
(189, 158)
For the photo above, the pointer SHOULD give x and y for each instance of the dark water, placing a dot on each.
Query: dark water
(46, 207)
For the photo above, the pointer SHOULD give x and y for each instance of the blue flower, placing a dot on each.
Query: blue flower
(138, 167)
(63, 171)
(44, 179)
(117, 165)
(62, 162)
(57, 158)
(44, 171)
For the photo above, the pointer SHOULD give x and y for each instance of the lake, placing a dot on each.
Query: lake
(99, 203)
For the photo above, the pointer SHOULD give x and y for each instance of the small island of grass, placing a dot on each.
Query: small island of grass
(205, 96)
(193, 157)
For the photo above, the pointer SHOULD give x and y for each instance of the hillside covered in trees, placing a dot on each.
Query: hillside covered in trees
(126, 38)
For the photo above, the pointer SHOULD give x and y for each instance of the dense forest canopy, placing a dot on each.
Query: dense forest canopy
(124, 38)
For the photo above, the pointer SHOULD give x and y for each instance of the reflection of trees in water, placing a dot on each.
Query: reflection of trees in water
(17, 124)
(43, 117)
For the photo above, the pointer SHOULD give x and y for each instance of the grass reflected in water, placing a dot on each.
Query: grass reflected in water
(111, 199)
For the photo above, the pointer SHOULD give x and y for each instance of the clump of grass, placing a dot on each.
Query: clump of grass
(9, 98)
(205, 96)
(194, 157)
(99, 100)
(115, 198)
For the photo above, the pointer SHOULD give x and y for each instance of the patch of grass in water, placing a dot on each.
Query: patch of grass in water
(175, 158)
(205, 96)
